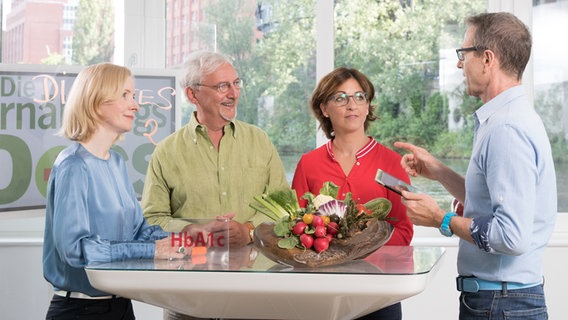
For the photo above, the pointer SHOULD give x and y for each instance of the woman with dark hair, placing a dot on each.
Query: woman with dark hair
(350, 159)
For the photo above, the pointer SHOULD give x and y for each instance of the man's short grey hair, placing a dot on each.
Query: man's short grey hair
(200, 64)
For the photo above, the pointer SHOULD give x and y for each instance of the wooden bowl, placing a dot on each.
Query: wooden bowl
(358, 246)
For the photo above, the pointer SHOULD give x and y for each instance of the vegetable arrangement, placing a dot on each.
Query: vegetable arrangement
(324, 219)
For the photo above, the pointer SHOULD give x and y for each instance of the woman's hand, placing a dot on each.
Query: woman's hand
(166, 250)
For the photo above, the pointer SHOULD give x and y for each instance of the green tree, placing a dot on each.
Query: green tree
(278, 80)
(397, 44)
(288, 74)
(54, 58)
(234, 37)
(549, 105)
(93, 32)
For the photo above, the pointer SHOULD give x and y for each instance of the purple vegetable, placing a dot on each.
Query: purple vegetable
(333, 207)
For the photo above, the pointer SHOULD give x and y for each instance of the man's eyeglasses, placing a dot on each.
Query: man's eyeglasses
(342, 99)
(224, 87)
(460, 51)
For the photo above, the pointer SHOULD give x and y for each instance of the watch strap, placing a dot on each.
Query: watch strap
(445, 227)
(250, 226)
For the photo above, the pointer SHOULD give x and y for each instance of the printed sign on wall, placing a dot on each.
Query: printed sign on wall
(31, 110)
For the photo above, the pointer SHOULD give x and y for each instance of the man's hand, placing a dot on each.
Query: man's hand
(422, 210)
(418, 161)
(222, 226)
(238, 232)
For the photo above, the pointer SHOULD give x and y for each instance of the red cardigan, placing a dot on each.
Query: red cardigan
(319, 166)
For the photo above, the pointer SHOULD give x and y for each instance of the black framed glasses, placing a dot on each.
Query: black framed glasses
(460, 51)
(342, 99)
(224, 87)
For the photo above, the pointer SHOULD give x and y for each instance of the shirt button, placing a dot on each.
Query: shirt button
(224, 193)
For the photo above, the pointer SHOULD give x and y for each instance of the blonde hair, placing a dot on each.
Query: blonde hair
(94, 85)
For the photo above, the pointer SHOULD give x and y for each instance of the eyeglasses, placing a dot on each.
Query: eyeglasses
(342, 99)
(460, 51)
(224, 87)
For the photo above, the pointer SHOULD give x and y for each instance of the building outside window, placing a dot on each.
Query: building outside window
(407, 49)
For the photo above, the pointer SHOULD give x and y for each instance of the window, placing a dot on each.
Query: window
(551, 84)
(405, 47)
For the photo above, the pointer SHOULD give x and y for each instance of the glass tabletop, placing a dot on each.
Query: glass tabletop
(244, 284)
(396, 260)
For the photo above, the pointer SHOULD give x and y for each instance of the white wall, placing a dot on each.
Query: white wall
(26, 295)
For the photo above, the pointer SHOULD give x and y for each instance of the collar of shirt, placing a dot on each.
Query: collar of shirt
(500, 101)
(195, 128)
(360, 154)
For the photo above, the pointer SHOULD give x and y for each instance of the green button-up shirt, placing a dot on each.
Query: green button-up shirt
(189, 178)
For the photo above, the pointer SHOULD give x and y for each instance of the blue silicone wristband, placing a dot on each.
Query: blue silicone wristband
(445, 227)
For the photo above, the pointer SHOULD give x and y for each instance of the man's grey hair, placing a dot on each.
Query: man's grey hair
(200, 64)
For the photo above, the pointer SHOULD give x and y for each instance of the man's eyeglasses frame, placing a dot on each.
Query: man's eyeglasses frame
(460, 51)
(223, 87)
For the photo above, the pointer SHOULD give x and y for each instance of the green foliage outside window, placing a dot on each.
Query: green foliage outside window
(396, 45)
(93, 32)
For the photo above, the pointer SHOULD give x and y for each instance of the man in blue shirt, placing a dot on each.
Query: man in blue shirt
(509, 191)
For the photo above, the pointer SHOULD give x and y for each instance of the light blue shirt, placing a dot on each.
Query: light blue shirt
(92, 215)
(510, 192)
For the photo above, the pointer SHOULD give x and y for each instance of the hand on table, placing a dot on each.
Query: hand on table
(165, 250)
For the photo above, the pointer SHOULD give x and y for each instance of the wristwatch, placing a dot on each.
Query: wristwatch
(445, 227)
(251, 230)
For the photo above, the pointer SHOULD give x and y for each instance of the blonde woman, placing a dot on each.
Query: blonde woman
(92, 214)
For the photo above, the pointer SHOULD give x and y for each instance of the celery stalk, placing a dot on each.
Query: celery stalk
(268, 207)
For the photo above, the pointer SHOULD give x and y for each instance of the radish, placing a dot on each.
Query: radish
(333, 228)
(299, 228)
(317, 221)
(321, 244)
(307, 240)
(320, 232)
